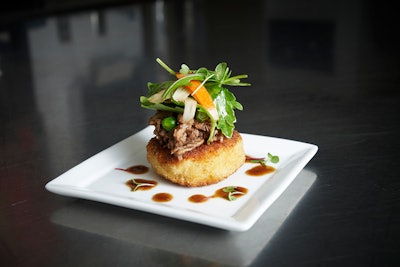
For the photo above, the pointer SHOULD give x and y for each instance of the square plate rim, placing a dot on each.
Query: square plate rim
(242, 222)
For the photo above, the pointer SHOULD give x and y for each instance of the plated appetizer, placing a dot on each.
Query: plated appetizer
(195, 141)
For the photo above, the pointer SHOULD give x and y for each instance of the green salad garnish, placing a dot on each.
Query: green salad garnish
(199, 94)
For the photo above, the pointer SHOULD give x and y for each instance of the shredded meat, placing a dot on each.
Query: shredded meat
(185, 136)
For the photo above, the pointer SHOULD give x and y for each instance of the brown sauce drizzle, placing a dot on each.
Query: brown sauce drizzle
(222, 194)
(140, 184)
(162, 197)
(260, 170)
(136, 169)
(199, 198)
(143, 184)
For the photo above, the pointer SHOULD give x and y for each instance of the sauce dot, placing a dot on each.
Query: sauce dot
(140, 184)
(136, 169)
(198, 198)
(241, 191)
(260, 170)
(162, 197)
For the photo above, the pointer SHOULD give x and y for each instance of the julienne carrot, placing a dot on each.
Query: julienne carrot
(197, 90)
(201, 95)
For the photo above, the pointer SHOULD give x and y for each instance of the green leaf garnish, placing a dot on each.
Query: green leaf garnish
(232, 191)
(226, 103)
(272, 158)
(263, 161)
(138, 185)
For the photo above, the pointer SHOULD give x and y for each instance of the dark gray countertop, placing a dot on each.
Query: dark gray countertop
(325, 73)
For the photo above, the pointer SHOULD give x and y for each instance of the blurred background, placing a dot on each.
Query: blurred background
(57, 53)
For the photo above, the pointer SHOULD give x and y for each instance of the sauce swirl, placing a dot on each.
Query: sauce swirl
(198, 198)
(236, 191)
(140, 184)
(135, 169)
(229, 193)
(260, 170)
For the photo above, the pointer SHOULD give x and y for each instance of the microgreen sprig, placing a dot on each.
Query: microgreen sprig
(263, 161)
(220, 75)
(232, 191)
(138, 185)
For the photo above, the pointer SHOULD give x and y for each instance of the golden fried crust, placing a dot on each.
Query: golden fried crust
(204, 165)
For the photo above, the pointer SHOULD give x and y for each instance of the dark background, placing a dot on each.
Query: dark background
(323, 72)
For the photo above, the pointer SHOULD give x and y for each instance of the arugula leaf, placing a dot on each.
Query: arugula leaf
(225, 103)
(154, 88)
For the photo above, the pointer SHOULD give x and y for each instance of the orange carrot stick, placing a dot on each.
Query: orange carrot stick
(201, 95)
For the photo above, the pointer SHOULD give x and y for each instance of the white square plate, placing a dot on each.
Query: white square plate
(99, 179)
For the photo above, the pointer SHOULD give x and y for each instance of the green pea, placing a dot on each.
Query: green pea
(168, 123)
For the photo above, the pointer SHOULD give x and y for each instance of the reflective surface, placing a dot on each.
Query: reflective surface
(324, 73)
